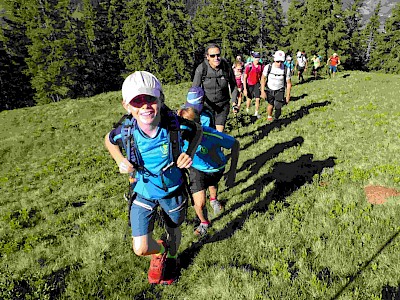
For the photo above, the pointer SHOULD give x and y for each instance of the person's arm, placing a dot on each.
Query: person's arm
(263, 83)
(124, 165)
(193, 133)
(288, 89)
(231, 174)
(338, 62)
(245, 82)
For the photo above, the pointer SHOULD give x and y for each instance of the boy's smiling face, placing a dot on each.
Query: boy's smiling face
(145, 109)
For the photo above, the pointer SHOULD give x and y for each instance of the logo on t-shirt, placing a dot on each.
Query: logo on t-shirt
(203, 150)
(164, 149)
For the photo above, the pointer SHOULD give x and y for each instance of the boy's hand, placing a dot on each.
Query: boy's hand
(125, 167)
(184, 161)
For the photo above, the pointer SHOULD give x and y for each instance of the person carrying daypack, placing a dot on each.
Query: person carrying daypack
(276, 77)
(251, 82)
(208, 168)
(216, 77)
(152, 140)
(301, 65)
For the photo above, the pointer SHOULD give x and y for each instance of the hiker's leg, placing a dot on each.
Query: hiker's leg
(145, 245)
(174, 212)
(174, 236)
(199, 200)
(142, 216)
(257, 104)
(221, 117)
(248, 102)
(213, 190)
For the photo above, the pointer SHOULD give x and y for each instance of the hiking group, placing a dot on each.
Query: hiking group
(176, 157)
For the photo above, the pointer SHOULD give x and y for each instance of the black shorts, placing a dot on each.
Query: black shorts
(201, 181)
(221, 117)
(253, 91)
(276, 98)
(301, 69)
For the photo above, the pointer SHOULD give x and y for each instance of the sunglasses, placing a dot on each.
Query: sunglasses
(214, 55)
(279, 62)
(143, 98)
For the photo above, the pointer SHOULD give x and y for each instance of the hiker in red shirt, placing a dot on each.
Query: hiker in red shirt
(251, 82)
(333, 62)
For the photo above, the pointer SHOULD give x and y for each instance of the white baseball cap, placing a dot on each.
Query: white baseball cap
(279, 56)
(140, 83)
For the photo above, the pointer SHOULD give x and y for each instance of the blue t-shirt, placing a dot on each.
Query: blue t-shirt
(207, 118)
(208, 157)
(155, 154)
(289, 65)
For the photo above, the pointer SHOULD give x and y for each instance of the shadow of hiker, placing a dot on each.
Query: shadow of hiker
(235, 122)
(262, 131)
(296, 98)
(288, 178)
(346, 75)
(256, 164)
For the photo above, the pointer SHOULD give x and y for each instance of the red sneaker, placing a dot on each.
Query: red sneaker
(157, 265)
(170, 271)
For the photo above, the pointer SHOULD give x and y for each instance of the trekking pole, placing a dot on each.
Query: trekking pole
(235, 112)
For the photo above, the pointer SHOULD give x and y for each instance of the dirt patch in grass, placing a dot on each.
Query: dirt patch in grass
(377, 194)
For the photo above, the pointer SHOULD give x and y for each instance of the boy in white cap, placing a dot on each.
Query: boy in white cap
(276, 77)
(158, 180)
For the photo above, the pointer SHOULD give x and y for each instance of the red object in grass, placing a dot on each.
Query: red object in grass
(377, 194)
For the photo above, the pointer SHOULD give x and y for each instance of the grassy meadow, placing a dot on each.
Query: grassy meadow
(295, 226)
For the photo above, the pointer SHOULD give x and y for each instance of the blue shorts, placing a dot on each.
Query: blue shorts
(143, 212)
(333, 68)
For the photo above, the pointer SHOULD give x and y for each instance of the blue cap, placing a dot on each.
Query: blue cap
(195, 98)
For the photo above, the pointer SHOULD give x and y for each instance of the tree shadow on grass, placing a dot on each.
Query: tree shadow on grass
(387, 292)
(262, 131)
(288, 178)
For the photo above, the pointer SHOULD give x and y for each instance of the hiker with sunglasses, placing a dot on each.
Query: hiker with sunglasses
(155, 162)
(216, 77)
(276, 78)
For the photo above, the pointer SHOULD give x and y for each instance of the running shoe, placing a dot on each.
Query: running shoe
(270, 119)
(170, 271)
(217, 207)
(256, 115)
(201, 230)
(157, 265)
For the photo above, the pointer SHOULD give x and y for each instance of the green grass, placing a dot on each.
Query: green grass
(296, 225)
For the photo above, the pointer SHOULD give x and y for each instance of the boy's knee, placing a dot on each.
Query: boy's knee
(139, 248)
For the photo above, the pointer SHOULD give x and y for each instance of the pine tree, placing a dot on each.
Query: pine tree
(370, 34)
(355, 59)
(272, 22)
(15, 89)
(386, 56)
(155, 38)
(234, 25)
(53, 59)
(292, 38)
(97, 41)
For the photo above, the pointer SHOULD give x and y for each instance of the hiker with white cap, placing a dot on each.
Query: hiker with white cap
(152, 140)
(333, 62)
(276, 80)
(301, 65)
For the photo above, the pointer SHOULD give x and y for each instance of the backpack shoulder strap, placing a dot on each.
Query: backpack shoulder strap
(128, 142)
(174, 133)
(203, 71)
